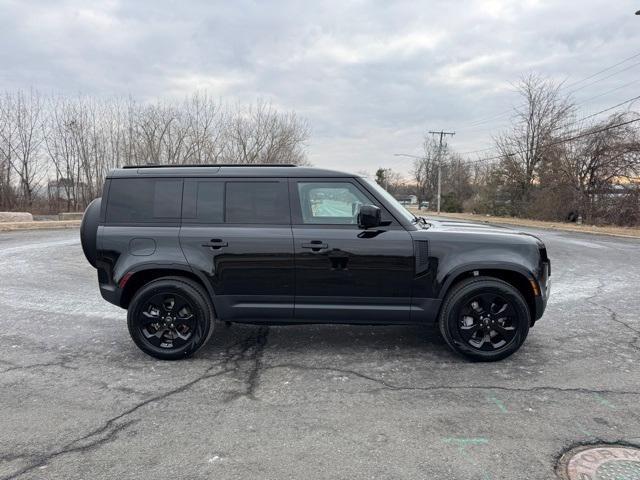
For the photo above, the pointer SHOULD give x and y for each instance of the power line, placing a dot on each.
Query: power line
(604, 70)
(476, 124)
(577, 104)
(609, 91)
(483, 121)
(605, 78)
(580, 120)
(559, 142)
(607, 109)
(552, 144)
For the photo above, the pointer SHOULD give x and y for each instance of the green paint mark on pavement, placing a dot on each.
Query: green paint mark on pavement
(604, 401)
(499, 404)
(463, 442)
(466, 441)
(584, 431)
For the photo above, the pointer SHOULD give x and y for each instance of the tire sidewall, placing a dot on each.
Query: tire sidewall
(452, 311)
(89, 231)
(202, 313)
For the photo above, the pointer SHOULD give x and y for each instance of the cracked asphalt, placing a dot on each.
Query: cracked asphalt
(79, 400)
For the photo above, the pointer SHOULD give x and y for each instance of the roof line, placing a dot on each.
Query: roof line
(216, 165)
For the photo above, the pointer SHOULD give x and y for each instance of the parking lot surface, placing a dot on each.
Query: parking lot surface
(79, 400)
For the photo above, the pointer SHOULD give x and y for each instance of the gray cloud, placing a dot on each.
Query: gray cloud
(370, 77)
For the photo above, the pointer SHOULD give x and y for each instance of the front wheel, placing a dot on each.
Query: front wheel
(170, 318)
(484, 319)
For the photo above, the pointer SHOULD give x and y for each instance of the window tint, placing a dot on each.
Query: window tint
(330, 203)
(257, 203)
(203, 201)
(144, 200)
(210, 202)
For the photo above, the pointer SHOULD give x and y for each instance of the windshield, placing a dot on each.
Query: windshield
(390, 200)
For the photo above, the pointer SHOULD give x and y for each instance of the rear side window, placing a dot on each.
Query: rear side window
(219, 201)
(144, 200)
(257, 203)
(203, 201)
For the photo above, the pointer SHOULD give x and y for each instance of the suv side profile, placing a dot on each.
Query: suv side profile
(182, 246)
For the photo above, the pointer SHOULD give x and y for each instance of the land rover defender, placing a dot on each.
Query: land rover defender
(182, 246)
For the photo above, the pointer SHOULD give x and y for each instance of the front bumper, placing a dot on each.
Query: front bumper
(545, 289)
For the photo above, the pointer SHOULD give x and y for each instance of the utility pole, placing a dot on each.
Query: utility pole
(442, 133)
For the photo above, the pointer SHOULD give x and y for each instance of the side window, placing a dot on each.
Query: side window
(144, 200)
(257, 203)
(203, 201)
(330, 203)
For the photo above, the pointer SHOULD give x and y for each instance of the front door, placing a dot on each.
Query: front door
(344, 273)
(238, 233)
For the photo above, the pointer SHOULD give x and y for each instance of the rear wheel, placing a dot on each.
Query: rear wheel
(170, 318)
(484, 319)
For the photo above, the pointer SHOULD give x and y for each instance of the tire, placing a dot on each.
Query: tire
(170, 302)
(486, 330)
(89, 231)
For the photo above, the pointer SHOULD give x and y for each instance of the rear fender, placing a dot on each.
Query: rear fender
(157, 270)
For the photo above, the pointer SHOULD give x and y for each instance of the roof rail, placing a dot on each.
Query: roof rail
(213, 165)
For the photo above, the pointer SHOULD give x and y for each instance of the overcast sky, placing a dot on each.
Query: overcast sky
(370, 77)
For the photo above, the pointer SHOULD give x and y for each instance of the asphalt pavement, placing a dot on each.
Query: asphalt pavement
(78, 400)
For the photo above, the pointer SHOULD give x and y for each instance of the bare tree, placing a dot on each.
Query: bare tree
(390, 180)
(25, 119)
(535, 125)
(61, 149)
(7, 140)
(456, 182)
(261, 135)
(205, 130)
(606, 155)
(425, 169)
(75, 141)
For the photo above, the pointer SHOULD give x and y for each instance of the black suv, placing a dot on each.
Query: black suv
(180, 246)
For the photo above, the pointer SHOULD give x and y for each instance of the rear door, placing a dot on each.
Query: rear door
(344, 273)
(238, 233)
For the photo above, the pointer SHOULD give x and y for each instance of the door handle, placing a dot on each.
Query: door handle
(315, 245)
(215, 244)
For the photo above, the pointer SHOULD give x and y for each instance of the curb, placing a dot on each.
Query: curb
(43, 225)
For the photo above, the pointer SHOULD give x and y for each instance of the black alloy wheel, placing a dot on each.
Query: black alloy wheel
(167, 320)
(170, 318)
(484, 319)
(487, 322)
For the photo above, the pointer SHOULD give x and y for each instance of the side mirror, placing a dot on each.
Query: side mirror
(369, 216)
